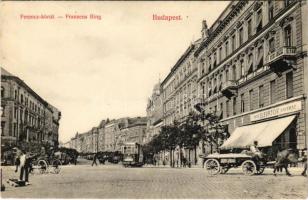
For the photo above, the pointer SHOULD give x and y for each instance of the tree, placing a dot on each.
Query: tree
(191, 134)
(213, 130)
(169, 138)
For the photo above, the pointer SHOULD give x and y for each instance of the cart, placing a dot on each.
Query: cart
(44, 165)
(221, 163)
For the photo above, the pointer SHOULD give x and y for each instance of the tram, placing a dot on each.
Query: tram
(132, 154)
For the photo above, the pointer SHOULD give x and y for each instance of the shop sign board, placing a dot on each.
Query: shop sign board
(280, 110)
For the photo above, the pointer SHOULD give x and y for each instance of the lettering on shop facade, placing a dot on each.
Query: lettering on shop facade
(284, 109)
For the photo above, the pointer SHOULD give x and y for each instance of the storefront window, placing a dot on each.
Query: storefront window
(292, 138)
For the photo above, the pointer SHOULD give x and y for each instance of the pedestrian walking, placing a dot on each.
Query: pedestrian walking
(94, 159)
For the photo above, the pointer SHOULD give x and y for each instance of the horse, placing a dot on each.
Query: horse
(283, 159)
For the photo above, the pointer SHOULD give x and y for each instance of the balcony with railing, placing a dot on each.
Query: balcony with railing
(281, 59)
(229, 88)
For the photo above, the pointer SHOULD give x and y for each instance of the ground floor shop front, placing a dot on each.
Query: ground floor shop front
(278, 126)
(275, 127)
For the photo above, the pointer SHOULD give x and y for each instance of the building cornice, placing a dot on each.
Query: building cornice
(251, 42)
(222, 23)
(179, 62)
(23, 84)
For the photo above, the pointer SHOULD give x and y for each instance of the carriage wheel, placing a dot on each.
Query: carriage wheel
(249, 167)
(42, 166)
(260, 170)
(56, 166)
(212, 166)
(223, 170)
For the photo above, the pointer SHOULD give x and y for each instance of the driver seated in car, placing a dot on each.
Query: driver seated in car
(255, 150)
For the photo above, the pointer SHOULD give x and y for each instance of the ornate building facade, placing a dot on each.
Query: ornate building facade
(154, 113)
(251, 66)
(180, 87)
(110, 135)
(26, 117)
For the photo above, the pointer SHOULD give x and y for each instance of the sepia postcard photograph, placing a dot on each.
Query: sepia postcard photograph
(154, 99)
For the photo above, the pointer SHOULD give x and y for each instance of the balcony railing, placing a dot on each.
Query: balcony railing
(229, 88)
(280, 53)
(229, 85)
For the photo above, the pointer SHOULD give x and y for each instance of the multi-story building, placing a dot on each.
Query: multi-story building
(180, 92)
(110, 135)
(134, 130)
(26, 117)
(127, 129)
(251, 66)
(56, 116)
(101, 136)
(154, 113)
(180, 87)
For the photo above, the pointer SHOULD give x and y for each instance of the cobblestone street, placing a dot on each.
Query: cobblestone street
(115, 181)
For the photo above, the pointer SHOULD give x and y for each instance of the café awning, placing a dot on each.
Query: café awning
(265, 133)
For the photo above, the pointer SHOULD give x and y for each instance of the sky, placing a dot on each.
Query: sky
(96, 69)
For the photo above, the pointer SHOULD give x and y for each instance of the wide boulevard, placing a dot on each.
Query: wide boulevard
(115, 181)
